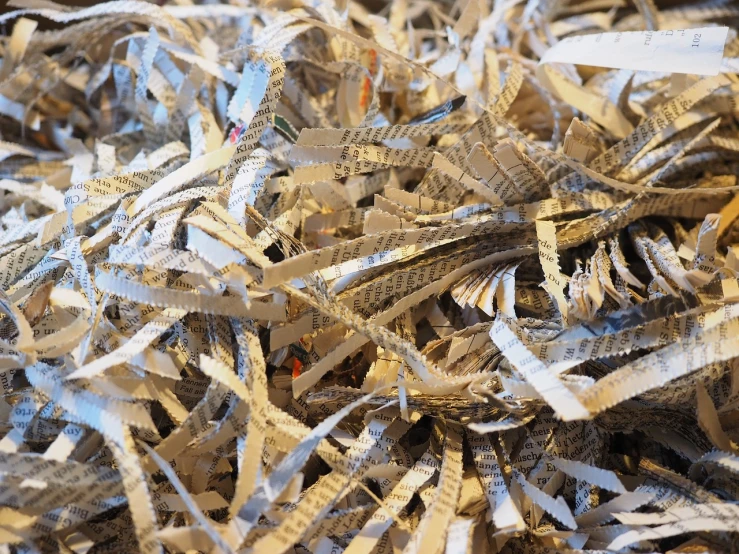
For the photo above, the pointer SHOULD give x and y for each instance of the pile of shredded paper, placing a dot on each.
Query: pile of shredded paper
(325, 276)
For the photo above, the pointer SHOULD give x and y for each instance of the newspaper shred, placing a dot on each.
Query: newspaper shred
(369, 277)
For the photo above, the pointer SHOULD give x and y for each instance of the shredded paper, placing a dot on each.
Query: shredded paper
(325, 276)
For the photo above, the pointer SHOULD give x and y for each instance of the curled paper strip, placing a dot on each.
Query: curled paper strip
(341, 276)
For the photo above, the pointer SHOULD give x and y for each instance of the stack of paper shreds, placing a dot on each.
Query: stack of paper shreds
(305, 276)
